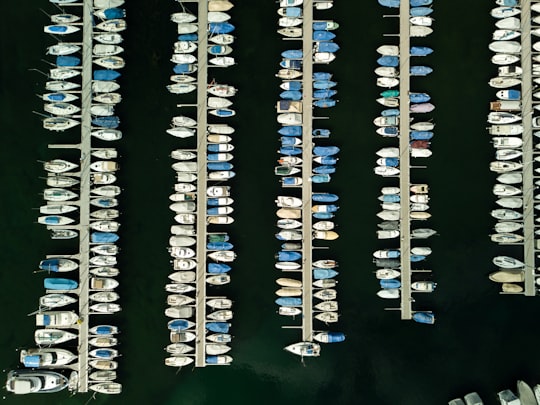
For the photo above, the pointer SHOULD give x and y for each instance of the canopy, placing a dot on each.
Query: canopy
(218, 327)
(106, 74)
(321, 274)
(103, 237)
(292, 130)
(32, 361)
(50, 264)
(219, 246)
(218, 268)
(63, 60)
(220, 28)
(289, 301)
(322, 76)
(323, 35)
(328, 47)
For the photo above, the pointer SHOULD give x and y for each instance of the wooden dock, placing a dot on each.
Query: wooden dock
(202, 83)
(307, 159)
(528, 147)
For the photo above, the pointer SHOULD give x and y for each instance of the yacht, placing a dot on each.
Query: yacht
(307, 349)
(35, 381)
(46, 358)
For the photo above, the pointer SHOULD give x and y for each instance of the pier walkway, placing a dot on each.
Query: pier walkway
(528, 147)
(404, 159)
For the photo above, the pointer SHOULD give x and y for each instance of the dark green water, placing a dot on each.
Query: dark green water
(482, 341)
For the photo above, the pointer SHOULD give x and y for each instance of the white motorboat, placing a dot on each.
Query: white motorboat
(108, 38)
(56, 319)
(386, 71)
(106, 50)
(506, 47)
(291, 32)
(221, 39)
(416, 31)
(63, 48)
(183, 58)
(181, 241)
(219, 303)
(56, 300)
(105, 308)
(105, 153)
(507, 154)
(182, 154)
(103, 364)
(60, 85)
(386, 171)
(102, 110)
(507, 262)
(179, 311)
(501, 117)
(289, 202)
(23, 381)
(49, 336)
(179, 288)
(507, 276)
(181, 132)
(105, 226)
(222, 256)
(61, 109)
(179, 348)
(510, 178)
(501, 82)
(220, 279)
(327, 317)
(58, 194)
(103, 341)
(327, 294)
(103, 178)
(426, 286)
(108, 387)
(323, 57)
(113, 25)
(183, 17)
(505, 12)
(510, 71)
(103, 375)
(104, 296)
(504, 166)
(220, 129)
(505, 190)
(104, 86)
(187, 28)
(387, 274)
(390, 50)
(215, 349)
(179, 299)
(305, 349)
(387, 82)
(222, 90)
(185, 218)
(421, 20)
(184, 47)
(504, 238)
(507, 142)
(220, 315)
(178, 361)
(507, 226)
(103, 283)
(510, 23)
(64, 18)
(288, 74)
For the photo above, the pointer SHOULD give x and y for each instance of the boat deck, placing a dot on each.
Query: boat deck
(528, 147)
(404, 159)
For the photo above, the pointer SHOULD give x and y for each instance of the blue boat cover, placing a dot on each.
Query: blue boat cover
(389, 3)
(386, 284)
(322, 76)
(182, 68)
(104, 330)
(291, 64)
(291, 130)
(46, 320)
(178, 324)
(510, 3)
(103, 237)
(418, 3)
(211, 359)
(287, 140)
(420, 50)
(324, 103)
(325, 150)
(392, 162)
(322, 274)
(327, 47)
(219, 166)
(324, 197)
(112, 13)
(387, 60)
(324, 169)
(391, 197)
(287, 256)
(323, 215)
(323, 84)
(324, 93)
(514, 94)
(52, 220)
(419, 97)
(32, 361)
(220, 28)
(328, 160)
(213, 147)
(103, 353)
(106, 74)
(335, 337)
(212, 211)
(420, 70)
(59, 284)
(219, 246)
(390, 131)
(421, 135)
(213, 202)
(291, 95)
(390, 112)
(289, 301)
(63, 60)
(288, 181)
(420, 11)
(188, 37)
(290, 150)
(58, 28)
(424, 317)
(295, 85)
(320, 26)
(323, 35)
(417, 258)
(321, 132)
(292, 54)
(105, 202)
(224, 112)
(49, 264)
(56, 97)
(106, 122)
(218, 268)
(218, 327)
(293, 12)
(320, 178)
(212, 157)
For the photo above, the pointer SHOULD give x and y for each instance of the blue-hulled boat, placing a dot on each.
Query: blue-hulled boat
(293, 85)
(417, 258)
(390, 112)
(392, 162)
(320, 178)
(64, 61)
(389, 3)
(106, 122)
(292, 12)
(214, 147)
(420, 50)
(326, 160)
(392, 283)
(218, 268)
(112, 13)
(323, 215)
(188, 37)
(322, 133)
(324, 103)
(323, 35)
(291, 64)
(324, 197)
(293, 130)
(325, 150)
(219, 246)
(420, 11)
(292, 54)
(325, 169)
(419, 97)
(329, 337)
(220, 28)
(288, 141)
(322, 76)
(105, 74)
(219, 166)
(213, 211)
(214, 157)
(390, 197)
(323, 25)
(182, 68)
(421, 135)
(387, 60)
(389, 93)
(289, 301)
(424, 317)
(59, 284)
(418, 3)
(327, 47)
(420, 70)
(218, 327)
(324, 84)
(103, 237)
(179, 324)
(287, 256)
(324, 93)
(290, 150)
(291, 95)
(323, 274)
